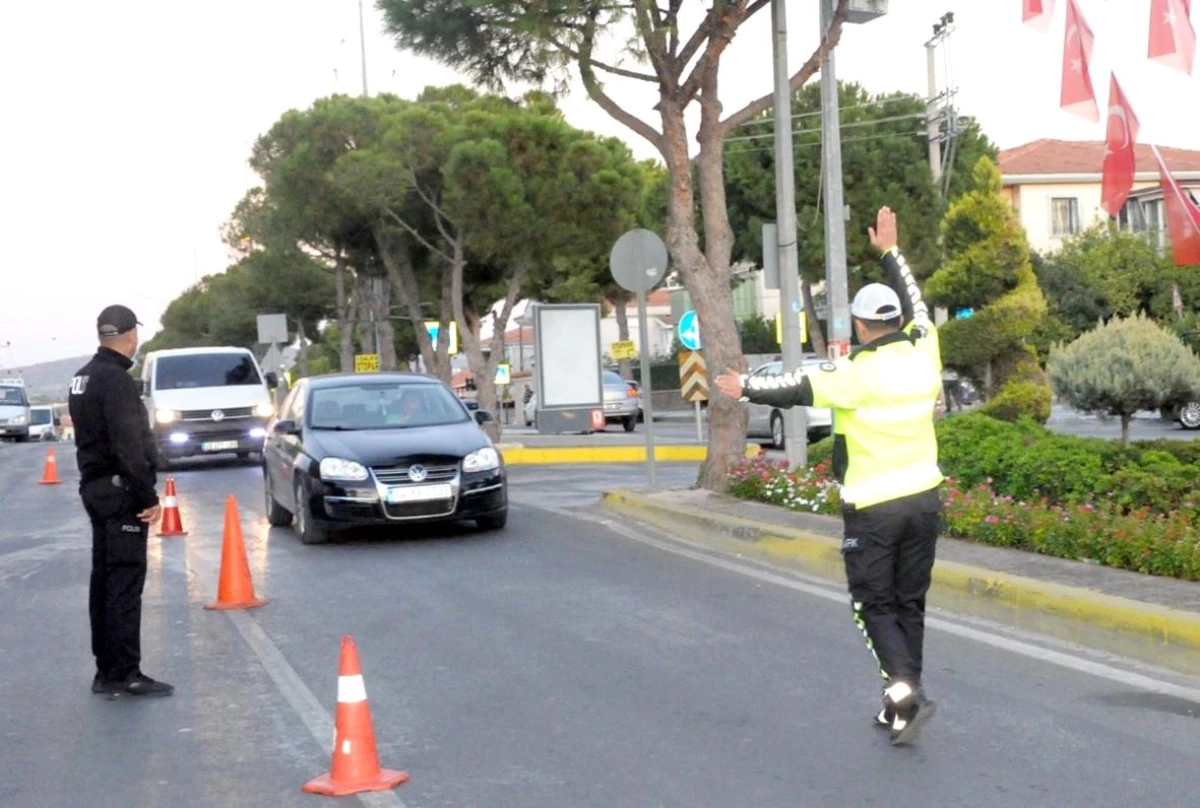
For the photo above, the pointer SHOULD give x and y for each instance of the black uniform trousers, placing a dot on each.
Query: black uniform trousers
(118, 576)
(889, 550)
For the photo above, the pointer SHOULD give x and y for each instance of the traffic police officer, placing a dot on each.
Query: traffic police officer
(117, 460)
(883, 398)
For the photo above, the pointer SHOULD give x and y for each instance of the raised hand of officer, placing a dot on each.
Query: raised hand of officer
(885, 234)
(730, 383)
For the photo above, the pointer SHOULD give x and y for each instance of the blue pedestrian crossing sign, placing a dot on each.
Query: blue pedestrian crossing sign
(689, 330)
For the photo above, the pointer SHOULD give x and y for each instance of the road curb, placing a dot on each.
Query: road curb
(1150, 625)
(518, 455)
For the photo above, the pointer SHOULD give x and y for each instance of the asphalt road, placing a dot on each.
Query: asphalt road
(567, 661)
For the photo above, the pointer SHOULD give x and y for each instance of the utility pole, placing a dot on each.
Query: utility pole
(362, 45)
(795, 430)
(836, 284)
(934, 122)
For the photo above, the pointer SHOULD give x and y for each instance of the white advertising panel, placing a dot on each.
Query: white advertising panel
(568, 356)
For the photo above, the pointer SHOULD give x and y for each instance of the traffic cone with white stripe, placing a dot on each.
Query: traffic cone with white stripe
(50, 473)
(172, 524)
(355, 766)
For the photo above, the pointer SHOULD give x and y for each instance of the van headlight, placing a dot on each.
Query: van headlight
(264, 410)
(20, 419)
(166, 416)
(485, 459)
(334, 468)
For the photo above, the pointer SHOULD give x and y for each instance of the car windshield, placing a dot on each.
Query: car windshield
(376, 405)
(12, 396)
(39, 417)
(613, 378)
(188, 371)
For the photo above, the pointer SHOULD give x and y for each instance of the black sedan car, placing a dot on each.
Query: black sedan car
(383, 449)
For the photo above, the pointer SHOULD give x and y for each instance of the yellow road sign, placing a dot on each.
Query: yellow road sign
(693, 376)
(624, 350)
(366, 363)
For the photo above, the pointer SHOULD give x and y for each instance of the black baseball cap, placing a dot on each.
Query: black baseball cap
(116, 320)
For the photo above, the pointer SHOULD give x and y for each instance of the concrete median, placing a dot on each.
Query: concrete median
(1134, 625)
(516, 454)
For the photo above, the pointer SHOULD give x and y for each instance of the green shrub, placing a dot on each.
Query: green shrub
(1020, 398)
(1026, 461)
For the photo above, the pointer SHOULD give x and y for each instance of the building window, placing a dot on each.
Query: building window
(1133, 216)
(1064, 216)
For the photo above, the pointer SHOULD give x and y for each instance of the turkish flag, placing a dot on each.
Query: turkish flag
(1038, 14)
(1077, 93)
(1183, 218)
(1172, 37)
(1119, 163)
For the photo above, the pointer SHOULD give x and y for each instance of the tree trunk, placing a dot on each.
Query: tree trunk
(620, 309)
(707, 277)
(302, 356)
(815, 332)
(387, 333)
(398, 263)
(1125, 419)
(483, 367)
(345, 326)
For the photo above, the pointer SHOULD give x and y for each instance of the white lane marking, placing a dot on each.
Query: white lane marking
(292, 687)
(1059, 658)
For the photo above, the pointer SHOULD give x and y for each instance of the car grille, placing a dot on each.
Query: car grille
(398, 475)
(350, 511)
(206, 415)
(416, 510)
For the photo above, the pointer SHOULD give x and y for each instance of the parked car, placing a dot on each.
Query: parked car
(385, 449)
(768, 421)
(622, 402)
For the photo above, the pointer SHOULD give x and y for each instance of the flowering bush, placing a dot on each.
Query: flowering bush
(1102, 529)
(812, 490)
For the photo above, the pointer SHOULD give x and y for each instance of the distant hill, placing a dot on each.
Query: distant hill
(48, 382)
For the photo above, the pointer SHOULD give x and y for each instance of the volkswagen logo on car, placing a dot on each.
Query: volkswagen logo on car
(218, 415)
(417, 474)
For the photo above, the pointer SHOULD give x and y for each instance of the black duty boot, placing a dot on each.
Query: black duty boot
(912, 710)
(139, 684)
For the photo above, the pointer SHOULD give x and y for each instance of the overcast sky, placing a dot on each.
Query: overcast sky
(128, 122)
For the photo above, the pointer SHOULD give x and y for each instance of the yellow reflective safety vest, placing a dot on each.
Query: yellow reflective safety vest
(883, 396)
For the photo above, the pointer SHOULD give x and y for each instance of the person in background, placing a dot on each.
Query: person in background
(883, 397)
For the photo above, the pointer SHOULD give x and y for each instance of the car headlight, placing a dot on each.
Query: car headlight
(166, 416)
(264, 410)
(485, 459)
(20, 419)
(334, 468)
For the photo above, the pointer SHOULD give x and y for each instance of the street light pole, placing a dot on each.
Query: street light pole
(795, 432)
(362, 45)
(837, 287)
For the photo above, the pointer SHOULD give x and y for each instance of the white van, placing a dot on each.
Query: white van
(14, 410)
(43, 423)
(204, 401)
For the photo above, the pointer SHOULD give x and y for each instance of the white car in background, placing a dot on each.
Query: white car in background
(767, 422)
(43, 423)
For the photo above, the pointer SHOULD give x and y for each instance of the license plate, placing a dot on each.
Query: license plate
(219, 446)
(612, 406)
(418, 493)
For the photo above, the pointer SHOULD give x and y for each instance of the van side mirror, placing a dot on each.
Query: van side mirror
(272, 380)
(286, 427)
(57, 421)
(483, 417)
(143, 387)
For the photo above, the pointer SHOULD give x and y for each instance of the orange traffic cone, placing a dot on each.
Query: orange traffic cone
(235, 590)
(355, 766)
(50, 474)
(172, 524)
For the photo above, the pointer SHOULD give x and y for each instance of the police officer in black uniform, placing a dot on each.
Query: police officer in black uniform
(117, 462)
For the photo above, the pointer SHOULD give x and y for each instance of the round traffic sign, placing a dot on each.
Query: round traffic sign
(638, 260)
